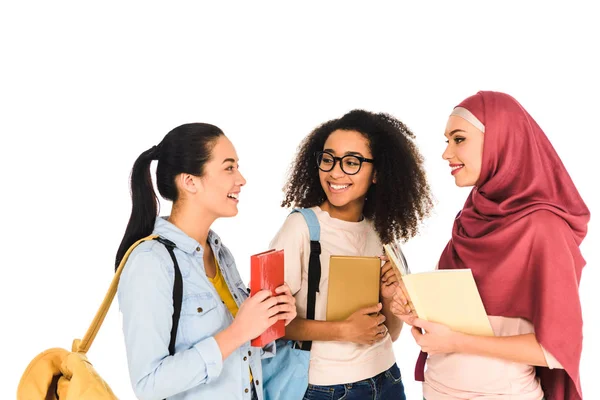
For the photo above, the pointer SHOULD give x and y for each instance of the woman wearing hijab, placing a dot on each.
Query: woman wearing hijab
(519, 232)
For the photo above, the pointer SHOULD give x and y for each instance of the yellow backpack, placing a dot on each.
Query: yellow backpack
(57, 374)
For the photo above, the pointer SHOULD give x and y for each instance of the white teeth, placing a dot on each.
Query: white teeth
(457, 167)
(338, 187)
(233, 195)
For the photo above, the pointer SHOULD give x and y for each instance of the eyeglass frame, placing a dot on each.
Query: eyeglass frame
(340, 159)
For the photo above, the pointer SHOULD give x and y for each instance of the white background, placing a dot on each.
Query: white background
(85, 88)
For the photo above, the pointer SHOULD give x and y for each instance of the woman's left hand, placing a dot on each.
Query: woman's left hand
(389, 281)
(437, 339)
(286, 302)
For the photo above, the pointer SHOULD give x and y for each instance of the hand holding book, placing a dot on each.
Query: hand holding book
(267, 273)
(365, 326)
(402, 305)
(389, 279)
(449, 297)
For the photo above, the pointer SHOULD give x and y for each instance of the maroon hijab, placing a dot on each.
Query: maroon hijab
(519, 232)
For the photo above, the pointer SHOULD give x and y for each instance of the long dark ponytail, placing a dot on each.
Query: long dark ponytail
(185, 149)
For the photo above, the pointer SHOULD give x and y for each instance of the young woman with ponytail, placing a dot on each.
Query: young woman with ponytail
(198, 171)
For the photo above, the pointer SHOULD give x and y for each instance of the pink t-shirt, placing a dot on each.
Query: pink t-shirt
(466, 376)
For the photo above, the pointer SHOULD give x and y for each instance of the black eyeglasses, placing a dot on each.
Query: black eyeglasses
(349, 164)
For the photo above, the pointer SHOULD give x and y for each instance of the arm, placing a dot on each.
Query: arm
(389, 283)
(523, 349)
(306, 329)
(363, 327)
(439, 339)
(145, 299)
(392, 322)
(256, 314)
(145, 296)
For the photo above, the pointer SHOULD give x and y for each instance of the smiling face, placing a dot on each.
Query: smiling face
(343, 190)
(464, 151)
(220, 185)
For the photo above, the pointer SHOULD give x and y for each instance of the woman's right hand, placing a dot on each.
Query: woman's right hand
(401, 305)
(257, 314)
(365, 326)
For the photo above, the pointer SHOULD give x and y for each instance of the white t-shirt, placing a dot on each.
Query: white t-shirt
(331, 363)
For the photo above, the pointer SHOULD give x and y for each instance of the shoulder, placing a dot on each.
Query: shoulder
(295, 222)
(294, 229)
(545, 217)
(547, 223)
(148, 269)
(150, 249)
(149, 257)
(372, 237)
(551, 235)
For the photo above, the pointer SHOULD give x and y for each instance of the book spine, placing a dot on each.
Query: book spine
(414, 302)
(255, 275)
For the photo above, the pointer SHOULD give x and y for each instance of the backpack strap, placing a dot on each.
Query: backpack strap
(314, 265)
(83, 345)
(177, 292)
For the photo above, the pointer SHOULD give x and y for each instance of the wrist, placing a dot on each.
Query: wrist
(340, 330)
(228, 341)
(236, 335)
(460, 342)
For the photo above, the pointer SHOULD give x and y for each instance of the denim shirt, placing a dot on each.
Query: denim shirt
(145, 294)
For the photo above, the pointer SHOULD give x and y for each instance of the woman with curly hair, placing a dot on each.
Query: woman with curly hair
(363, 177)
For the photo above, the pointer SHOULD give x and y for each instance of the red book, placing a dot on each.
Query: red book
(266, 272)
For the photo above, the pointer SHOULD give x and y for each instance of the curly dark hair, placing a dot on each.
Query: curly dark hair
(404, 198)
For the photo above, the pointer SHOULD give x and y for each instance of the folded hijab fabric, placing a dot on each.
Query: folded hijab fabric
(519, 232)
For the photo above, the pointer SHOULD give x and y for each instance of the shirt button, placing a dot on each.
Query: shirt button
(258, 383)
(246, 390)
(216, 241)
(199, 309)
(198, 248)
(249, 353)
(245, 358)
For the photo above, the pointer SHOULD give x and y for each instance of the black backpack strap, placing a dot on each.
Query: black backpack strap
(177, 292)
(314, 265)
(314, 277)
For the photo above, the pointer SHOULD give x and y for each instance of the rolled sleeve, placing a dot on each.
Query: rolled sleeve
(210, 352)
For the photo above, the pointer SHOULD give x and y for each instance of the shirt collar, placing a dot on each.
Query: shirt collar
(166, 229)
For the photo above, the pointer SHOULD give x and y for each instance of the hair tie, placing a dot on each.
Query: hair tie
(155, 152)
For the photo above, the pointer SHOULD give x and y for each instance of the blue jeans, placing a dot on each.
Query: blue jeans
(384, 386)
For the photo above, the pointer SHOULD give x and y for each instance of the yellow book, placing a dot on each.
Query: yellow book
(353, 284)
(449, 297)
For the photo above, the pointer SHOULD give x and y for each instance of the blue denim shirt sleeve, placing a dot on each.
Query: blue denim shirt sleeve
(146, 301)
